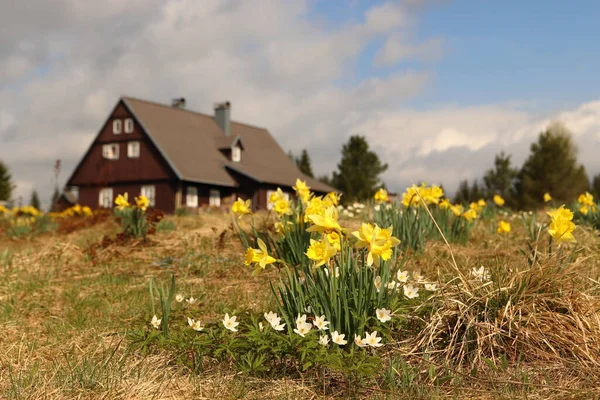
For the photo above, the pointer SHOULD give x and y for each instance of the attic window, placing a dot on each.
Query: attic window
(236, 154)
(110, 151)
(128, 125)
(133, 149)
(117, 126)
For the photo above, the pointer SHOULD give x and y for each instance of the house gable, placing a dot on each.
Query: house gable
(95, 169)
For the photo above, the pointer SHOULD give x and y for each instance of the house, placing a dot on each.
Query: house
(181, 158)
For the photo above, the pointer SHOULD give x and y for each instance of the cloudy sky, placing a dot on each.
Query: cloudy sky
(437, 86)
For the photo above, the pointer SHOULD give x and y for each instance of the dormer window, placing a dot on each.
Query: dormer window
(236, 153)
(117, 126)
(128, 125)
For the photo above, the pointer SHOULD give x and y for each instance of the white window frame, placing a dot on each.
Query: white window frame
(75, 192)
(214, 198)
(236, 153)
(128, 128)
(110, 151)
(149, 191)
(270, 192)
(117, 126)
(133, 149)
(191, 196)
(105, 198)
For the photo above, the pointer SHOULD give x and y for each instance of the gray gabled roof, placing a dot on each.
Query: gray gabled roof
(190, 143)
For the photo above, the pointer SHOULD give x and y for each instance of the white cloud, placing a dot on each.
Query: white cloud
(398, 48)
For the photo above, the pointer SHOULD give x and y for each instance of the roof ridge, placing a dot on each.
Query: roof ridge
(189, 111)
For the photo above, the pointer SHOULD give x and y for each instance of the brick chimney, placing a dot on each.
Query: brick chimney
(223, 116)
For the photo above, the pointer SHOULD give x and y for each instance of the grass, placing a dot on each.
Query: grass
(65, 312)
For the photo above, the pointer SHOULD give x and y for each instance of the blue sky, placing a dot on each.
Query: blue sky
(542, 54)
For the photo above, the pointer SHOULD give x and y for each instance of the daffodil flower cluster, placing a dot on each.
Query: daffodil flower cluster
(430, 195)
(260, 257)
(586, 203)
(379, 242)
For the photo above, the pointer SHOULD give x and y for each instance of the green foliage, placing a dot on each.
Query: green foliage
(468, 193)
(135, 222)
(35, 200)
(500, 179)
(165, 225)
(595, 187)
(25, 226)
(551, 167)
(304, 165)
(359, 170)
(6, 185)
(165, 295)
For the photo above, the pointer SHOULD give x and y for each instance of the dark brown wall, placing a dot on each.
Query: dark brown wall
(99, 171)
(204, 194)
(165, 194)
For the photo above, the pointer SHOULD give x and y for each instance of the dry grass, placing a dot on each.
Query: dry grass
(64, 312)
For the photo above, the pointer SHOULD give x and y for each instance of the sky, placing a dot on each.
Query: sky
(438, 87)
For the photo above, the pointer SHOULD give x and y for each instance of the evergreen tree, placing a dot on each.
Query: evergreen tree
(463, 193)
(35, 200)
(326, 179)
(551, 167)
(500, 179)
(595, 187)
(6, 186)
(55, 197)
(304, 165)
(359, 170)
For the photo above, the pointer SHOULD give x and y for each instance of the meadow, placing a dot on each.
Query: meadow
(467, 302)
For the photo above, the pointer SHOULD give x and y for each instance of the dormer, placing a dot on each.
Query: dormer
(231, 147)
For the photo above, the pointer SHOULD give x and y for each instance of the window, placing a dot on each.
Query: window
(105, 199)
(74, 192)
(149, 191)
(191, 196)
(270, 192)
(111, 151)
(133, 149)
(128, 125)
(117, 126)
(236, 154)
(215, 198)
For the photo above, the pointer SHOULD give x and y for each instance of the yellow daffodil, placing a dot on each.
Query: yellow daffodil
(283, 207)
(547, 197)
(320, 251)
(259, 256)
(469, 215)
(142, 202)
(476, 206)
(561, 226)
(241, 207)
(445, 204)
(430, 195)
(381, 196)
(326, 223)
(379, 242)
(586, 202)
(3, 210)
(334, 240)
(498, 200)
(503, 227)
(333, 198)
(122, 201)
(302, 190)
(456, 209)
(276, 196)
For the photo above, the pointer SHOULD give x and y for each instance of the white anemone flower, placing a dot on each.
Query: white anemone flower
(377, 207)
(155, 322)
(271, 316)
(411, 291)
(191, 300)
(230, 322)
(392, 285)
(261, 327)
(338, 338)
(320, 323)
(377, 282)
(480, 273)
(179, 298)
(418, 277)
(372, 339)
(360, 342)
(383, 315)
(402, 276)
(301, 319)
(196, 325)
(308, 310)
(431, 287)
(303, 329)
(324, 340)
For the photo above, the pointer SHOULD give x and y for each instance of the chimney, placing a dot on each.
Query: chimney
(222, 116)
(178, 103)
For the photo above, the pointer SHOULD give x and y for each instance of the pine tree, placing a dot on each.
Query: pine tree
(595, 187)
(500, 179)
(359, 170)
(6, 186)
(35, 200)
(463, 193)
(304, 164)
(551, 167)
